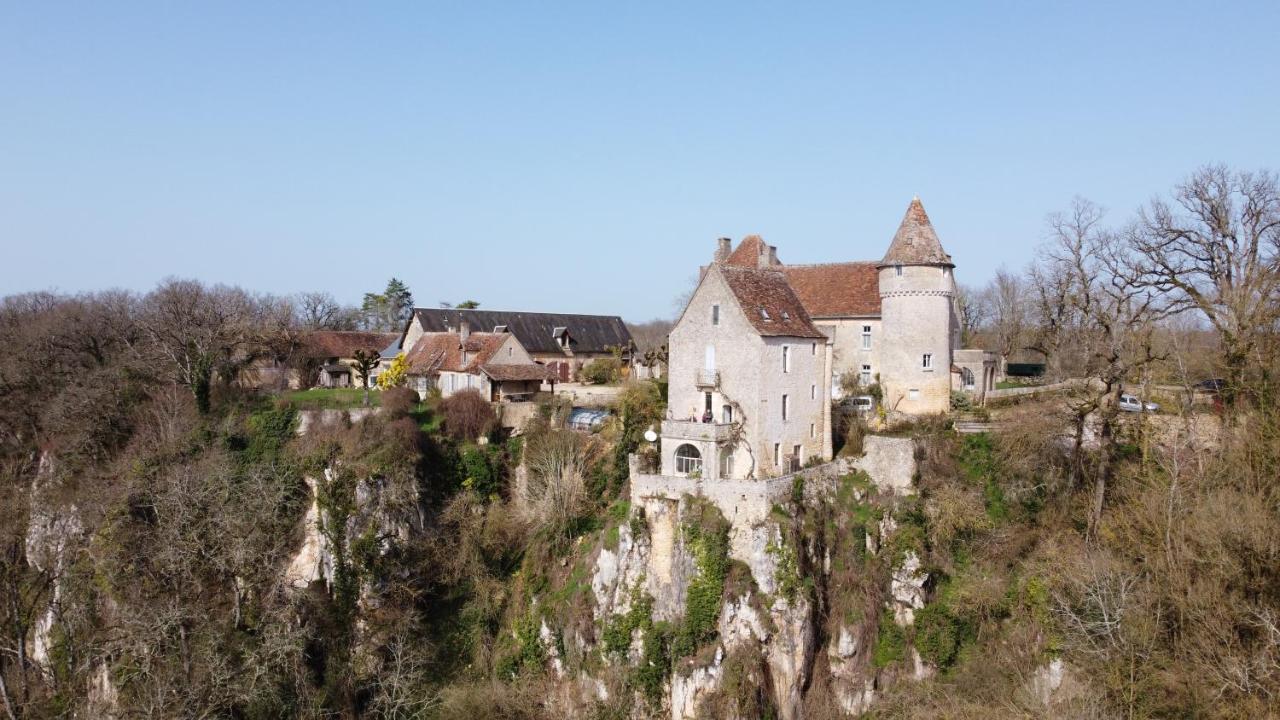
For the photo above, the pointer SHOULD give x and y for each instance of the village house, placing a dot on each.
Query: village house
(749, 378)
(331, 355)
(562, 342)
(495, 364)
(892, 322)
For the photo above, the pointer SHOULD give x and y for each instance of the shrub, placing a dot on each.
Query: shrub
(602, 371)
(939, 634)
(467, 415)
(398, 402)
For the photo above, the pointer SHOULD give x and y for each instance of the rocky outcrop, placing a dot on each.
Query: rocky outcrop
(313, 561)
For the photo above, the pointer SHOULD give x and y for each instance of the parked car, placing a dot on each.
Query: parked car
(1131, 403)
(862, 404)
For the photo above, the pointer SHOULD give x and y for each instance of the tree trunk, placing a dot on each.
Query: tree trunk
(4, 693)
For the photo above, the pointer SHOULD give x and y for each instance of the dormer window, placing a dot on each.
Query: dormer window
(764, 315)
(499, 328)
(786, 315)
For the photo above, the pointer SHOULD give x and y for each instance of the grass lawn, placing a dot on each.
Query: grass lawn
(1011, 384)
(332, 398)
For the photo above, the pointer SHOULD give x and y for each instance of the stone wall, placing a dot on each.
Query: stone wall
(916, 308)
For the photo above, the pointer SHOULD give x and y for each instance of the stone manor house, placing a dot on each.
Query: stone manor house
(761, 347)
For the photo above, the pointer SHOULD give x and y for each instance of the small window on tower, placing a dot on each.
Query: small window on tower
(786, 359)
(715, 314)
(897, 270)
(786, 405)
(926, 361)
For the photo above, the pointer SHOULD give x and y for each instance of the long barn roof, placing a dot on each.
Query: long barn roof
(537, 332)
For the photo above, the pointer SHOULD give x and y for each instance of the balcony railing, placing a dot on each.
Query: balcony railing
(708, 378)
(694, 430)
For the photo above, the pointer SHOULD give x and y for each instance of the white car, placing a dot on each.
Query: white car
(1131, 403)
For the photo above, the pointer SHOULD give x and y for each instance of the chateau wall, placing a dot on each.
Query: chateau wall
(848, 355)
(916, 309)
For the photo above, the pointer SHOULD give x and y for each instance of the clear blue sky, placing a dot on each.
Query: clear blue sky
(585, 156)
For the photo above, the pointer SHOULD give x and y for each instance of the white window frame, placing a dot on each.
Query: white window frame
(866, 374)
(866, 337)
(686, 465)
(926, 362)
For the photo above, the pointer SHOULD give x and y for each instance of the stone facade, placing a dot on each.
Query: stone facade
(747, 401)
(891, 321)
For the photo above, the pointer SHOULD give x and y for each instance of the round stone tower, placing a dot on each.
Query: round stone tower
(917, 296)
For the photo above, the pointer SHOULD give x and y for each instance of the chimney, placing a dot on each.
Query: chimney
(762, 257)
(464, 329)
(773, 256)
(723, 247)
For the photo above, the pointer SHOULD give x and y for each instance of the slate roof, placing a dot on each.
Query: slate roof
(916, 243)
(770, 304)
(343, 343)
(535, 331)
(831, 290)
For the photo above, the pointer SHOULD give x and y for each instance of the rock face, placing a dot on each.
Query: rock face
(780, 633)
(313, 561)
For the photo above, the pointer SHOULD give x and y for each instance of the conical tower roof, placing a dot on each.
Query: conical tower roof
(916, 243)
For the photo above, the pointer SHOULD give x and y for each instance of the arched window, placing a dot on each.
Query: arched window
(688, 460)
(967, 376)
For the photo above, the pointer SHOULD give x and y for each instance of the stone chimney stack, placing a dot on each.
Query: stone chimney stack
(762, 256)
(723, 247)
(464, 329)
(773, 256)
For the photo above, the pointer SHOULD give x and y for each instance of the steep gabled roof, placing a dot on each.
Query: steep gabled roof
(916, 243)
(535, 331)
(747, 254)
(343, 343)
(771, 306)
(831, 290)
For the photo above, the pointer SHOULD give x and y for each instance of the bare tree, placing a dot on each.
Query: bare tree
(1216, 251)
(199, 331)
(1006, 296)
(366, 360)
(320, 311)
(1102, 320)
(972, 310)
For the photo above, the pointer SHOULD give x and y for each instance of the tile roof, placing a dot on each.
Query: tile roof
(850, 289)
(535, 331)
(342, 343)
(916, 243)
(770, 304)
(434, 352)
(519, 371)
(747, 254)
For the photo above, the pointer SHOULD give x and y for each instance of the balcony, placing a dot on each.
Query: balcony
(697, 431)
(708, 379)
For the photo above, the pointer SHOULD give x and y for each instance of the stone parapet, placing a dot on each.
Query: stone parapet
(692, 430)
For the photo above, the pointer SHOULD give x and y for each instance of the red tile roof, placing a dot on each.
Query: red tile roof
(829, 290)
(520, 371)
(747, 254)
(343, 344)
(771, 305)
(916, 243)
(443, 351)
